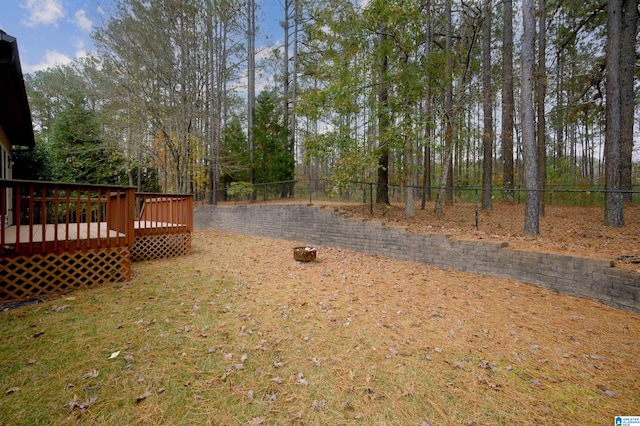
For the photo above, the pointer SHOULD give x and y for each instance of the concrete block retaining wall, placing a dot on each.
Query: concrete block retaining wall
(585, 277)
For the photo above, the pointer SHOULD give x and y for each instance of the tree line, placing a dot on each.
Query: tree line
(423, 93)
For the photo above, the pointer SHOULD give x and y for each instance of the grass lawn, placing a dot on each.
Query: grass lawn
(240, 333)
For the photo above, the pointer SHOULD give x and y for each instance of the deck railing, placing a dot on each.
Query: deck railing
(53, 217)
(162, 214)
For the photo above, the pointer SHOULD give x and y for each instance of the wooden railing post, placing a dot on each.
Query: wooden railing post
(130, 204)
(189, 212)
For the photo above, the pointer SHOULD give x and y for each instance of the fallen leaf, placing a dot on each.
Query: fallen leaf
(595, 357)
(300, 379)
(277, 380)
(91, 374)
(318, 405)
(82, 406)
(278, 364)
(13, 390)
(145, 395)
(486, 364)
(114, 355)
(38, 334)
(256, 421)
(607, 392)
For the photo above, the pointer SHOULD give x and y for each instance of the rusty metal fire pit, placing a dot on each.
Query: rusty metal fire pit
(304, 254)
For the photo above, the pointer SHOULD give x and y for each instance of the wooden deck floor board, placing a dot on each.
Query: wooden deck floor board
(82, 232)
(76, 233)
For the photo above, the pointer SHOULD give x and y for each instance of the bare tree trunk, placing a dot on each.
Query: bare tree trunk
(507, 101)
(532, 203)
(285, 64)
(382, 190)
(559, 115)
(294, 80)
(487, 107)
(540, 97)
(613, 207)
(627, 70)
(409, 206)
(251, 80)
(426, 177)
(449, 118)
(211, 199)
(130, 147)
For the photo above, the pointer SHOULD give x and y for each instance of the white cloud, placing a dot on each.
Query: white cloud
(51, 59)
(46, 12)
(81, 52)
(81, 20)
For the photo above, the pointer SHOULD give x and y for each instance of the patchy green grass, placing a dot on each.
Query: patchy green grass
(239, 333)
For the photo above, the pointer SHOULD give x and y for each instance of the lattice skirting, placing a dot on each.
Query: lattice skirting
(24, 277)
(160, 246)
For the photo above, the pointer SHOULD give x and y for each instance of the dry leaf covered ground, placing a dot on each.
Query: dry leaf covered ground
(240, 333)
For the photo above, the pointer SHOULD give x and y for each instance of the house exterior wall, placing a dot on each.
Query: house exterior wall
(5, 173)
(5, 155)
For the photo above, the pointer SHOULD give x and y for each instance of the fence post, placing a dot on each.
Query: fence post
(371, 198)
(476, 197)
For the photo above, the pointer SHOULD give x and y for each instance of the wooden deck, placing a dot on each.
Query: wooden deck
(58, 232)
(55, 237)
(80, 231)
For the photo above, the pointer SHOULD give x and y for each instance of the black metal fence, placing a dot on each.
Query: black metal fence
(365, 192)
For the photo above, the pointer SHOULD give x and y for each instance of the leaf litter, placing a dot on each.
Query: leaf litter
(406, 322)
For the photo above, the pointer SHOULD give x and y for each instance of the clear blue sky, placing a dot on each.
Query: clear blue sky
(53, 32)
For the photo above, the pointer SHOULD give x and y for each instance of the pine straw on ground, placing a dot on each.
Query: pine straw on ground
(240, 333)
(571, 230)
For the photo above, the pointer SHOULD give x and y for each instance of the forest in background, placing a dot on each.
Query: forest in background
(431, 93)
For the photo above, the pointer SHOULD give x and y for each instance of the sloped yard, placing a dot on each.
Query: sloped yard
(240, 333)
